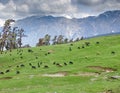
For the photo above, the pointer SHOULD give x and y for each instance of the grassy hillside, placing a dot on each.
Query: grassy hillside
(87, 66)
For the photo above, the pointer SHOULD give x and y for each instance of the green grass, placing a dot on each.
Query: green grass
(33, 80)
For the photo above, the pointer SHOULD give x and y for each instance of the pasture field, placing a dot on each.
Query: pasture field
(87, 66)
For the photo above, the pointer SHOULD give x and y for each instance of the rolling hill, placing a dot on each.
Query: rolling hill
(87, 66)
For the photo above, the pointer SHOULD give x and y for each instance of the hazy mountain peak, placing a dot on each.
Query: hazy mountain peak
(37, 26)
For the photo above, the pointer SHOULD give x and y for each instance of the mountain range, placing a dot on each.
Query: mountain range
(38, 26)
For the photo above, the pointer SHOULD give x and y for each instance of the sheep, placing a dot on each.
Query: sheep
(30, 64)
(17, 66)
(1, 72)
(20, 53)
(54, 63)
(59, 65)
(70, 49)
(70, 62)
(36, 57)
(46, 66)
(87, 43)
(38, 64)
(65, 63)
(29, 50)
(112, 52)
(17, 72)
(22, 65)
(83, 46)
(7, 71)
(71, 44)
(78, 47)
(97, 42)
(49, 52)
(21, 57)
(34, 67)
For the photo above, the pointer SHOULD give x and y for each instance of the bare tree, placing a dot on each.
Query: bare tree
(5, 32)
(20, 34)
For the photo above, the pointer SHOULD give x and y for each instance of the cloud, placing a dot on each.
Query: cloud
(89, 2)
(69, 8)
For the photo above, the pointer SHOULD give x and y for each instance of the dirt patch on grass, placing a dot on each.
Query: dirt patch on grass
(85, 74)
(65, 73)
(57, 74)
(105, 69)
(5, 78)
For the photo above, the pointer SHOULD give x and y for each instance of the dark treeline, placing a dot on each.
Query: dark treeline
(56, 40)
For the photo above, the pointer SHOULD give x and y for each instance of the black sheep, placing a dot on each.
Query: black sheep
(54, 63)
(70, 62)
(112, 52)
(97, 42)
(7, 71)
(34, 67)
(65, 63)
(22, 65)
(17, 72)
(29, 50)
(1, 72)
(46, 66)
(70, 49)
(30, 64)
(78, 47)
(38, 64)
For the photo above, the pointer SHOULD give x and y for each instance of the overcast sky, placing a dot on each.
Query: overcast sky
(17, 9)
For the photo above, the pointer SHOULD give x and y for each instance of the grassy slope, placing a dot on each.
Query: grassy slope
(31, 80)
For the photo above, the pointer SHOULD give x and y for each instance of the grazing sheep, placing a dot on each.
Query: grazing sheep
(36, 57)
(1, 72)
(38, 64)
(71, 44)
(70, 49)
(83, 46)
(46, 66)
(20, 53)
(40, 49)
(7, 71)
(17, 66)
(65, 63)
(59, 65)
(17, 72)
(97, 42)
(112, 52)
(34, 67)
(29, 50)
(30, 64)
(22, 65)
(87, 43)
(49, 52)
(78, 47)
(70, 62)
(21, 57)
(54, 63)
